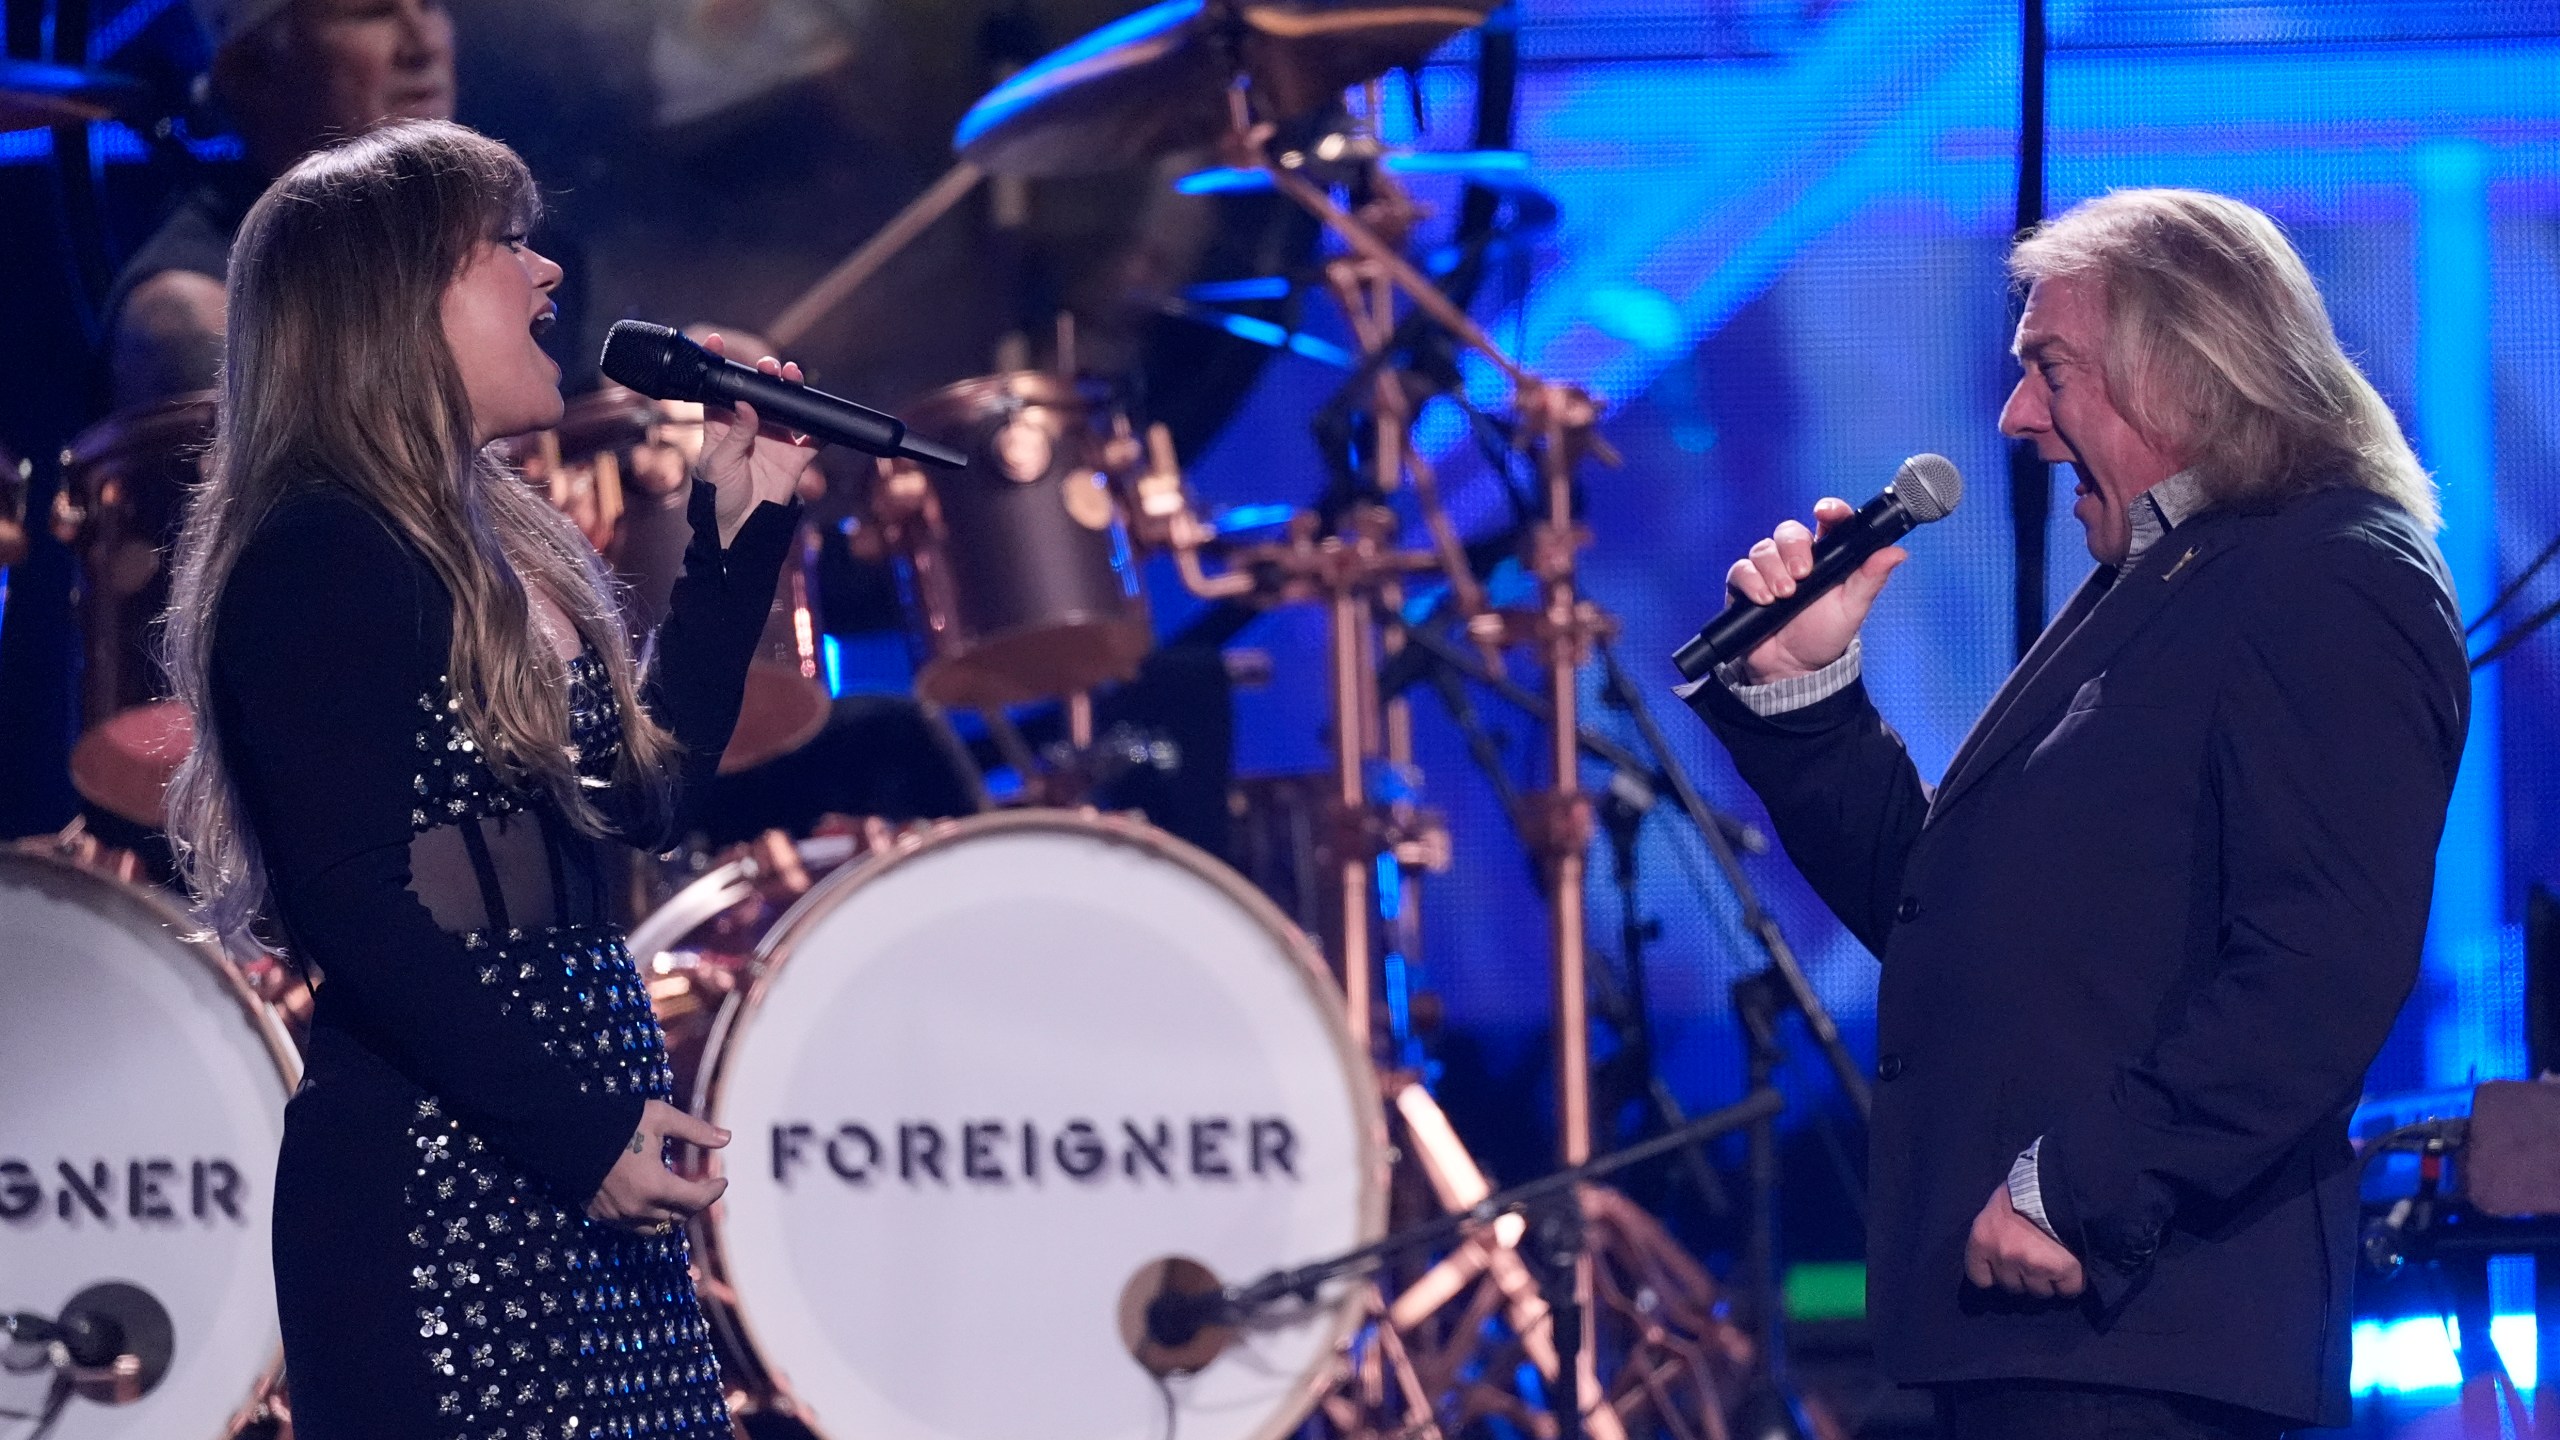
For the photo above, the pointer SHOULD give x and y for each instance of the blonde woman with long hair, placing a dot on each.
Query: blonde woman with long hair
(420, 725)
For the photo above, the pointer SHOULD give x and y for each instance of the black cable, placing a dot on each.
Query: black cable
(2413, 1137)
(1172, 1417)
(2030, 479)
(2516, 637)
(57, 1399)
(2515, 586)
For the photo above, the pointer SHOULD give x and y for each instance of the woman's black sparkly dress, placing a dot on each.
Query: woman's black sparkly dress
(480, 1043)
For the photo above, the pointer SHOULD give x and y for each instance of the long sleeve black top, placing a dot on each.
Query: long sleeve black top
(328, 675)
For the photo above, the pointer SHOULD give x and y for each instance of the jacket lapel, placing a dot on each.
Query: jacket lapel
(2075, 611)
(2097, 623)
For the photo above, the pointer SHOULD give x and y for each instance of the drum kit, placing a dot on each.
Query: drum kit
(1002, 1083)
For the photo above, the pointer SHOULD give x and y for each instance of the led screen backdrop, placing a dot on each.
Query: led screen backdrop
(1778, 254)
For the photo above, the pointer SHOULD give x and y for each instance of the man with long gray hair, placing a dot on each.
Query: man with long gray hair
(2142, 941)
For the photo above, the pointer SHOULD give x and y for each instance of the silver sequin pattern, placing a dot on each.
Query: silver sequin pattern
(534, 1322)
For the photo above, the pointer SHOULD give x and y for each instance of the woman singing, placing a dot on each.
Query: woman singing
(419, 724)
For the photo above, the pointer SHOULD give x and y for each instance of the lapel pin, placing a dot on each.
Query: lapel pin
(2172, 572)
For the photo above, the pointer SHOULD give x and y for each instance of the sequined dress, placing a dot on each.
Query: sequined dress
(481, 1044)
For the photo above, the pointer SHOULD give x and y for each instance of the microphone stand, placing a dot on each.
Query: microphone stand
(1623, 807)
(1735, 832)
(1795, 991)
(1447, 662)
(1761, 1001)
(1554, 1213)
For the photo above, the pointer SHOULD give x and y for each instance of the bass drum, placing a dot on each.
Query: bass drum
(141, 1109)
(983, 1084)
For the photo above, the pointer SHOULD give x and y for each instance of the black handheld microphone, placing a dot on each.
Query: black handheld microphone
(664, 365)
(1926, 488)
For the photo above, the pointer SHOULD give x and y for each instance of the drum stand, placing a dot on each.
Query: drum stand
(1556, 1215)
(1680, 1358)
(1770, 1409)
(1761, 1000)
(1354, 572)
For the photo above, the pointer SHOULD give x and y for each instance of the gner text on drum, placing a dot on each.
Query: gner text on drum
(149, 1188)
(1215, 1148)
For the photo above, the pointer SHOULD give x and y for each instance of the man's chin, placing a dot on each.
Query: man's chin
(2107, 543)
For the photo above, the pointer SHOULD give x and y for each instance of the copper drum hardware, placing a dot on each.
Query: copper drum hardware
(608, 441)
(1019, 576)
(123, 764)
(14, 474)
(124, 486)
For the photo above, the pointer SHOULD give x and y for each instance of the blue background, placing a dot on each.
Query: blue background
(1779, 260)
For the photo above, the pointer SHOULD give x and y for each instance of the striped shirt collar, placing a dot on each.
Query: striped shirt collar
(2162, 508)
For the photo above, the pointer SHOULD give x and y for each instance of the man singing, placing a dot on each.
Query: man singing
(2143, 939)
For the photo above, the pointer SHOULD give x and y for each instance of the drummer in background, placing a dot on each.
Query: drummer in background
(293, 75)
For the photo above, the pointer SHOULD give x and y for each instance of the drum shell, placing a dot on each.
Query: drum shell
(1021, 586)
(124, 486)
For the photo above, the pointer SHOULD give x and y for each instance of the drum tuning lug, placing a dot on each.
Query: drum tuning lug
(1424, 846)
(69, 518)
(1122, 453)
(780, 859)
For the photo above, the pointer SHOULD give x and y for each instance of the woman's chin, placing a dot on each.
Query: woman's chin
(535, 420)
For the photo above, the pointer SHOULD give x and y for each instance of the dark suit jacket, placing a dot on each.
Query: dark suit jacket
(2161, 913)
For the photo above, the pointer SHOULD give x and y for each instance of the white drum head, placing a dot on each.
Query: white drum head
(141, 1108)
(980, 1084)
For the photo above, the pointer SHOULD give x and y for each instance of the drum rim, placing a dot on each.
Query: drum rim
(113, 438)
(997, 393)
(731, 882)
(948, 678)
(49, 871)
(773, 952)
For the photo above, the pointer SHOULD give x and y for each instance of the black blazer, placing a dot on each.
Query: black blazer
(2161, 912)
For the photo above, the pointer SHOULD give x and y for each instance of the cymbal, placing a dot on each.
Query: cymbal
(1504, 170)
(1259, 331)
(34, 95)
(1156, 81)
